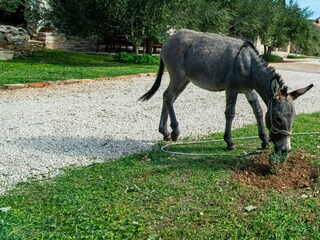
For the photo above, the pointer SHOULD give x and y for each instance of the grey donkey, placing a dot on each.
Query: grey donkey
(218, 63)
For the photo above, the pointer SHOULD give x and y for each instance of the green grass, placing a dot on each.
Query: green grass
(51, 65)
(153, 195)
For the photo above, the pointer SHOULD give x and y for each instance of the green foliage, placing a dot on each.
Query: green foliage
(88, 18)
(126, 57)
(156, 196)
(135, 19)
(299, 30)
(276, 23)
(10, 5)
(202, 15)
(146, 19)
(56, 65)
(248, 24)
(272, 58)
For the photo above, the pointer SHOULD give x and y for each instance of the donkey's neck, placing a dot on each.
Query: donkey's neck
(262, 76)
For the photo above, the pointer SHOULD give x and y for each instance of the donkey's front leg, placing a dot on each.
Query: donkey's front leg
(231, 99)
(253, 99)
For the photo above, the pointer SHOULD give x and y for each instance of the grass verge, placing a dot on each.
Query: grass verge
(290, 56)
(272, 58)
(51, 65)
(157, 196)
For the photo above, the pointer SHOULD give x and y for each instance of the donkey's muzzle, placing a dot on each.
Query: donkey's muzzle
(283, 145)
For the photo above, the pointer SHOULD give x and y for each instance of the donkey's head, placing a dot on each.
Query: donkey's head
(281, 113)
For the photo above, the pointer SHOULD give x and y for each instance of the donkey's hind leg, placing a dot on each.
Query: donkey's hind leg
(169, 97)
(163, 127)
(253, 99)
(231, 99)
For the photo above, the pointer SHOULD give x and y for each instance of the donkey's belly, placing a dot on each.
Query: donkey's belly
(211, 76)
(208, 84)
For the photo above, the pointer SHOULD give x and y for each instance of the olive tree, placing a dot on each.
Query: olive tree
(273, 21)
(301, 32)
(97, 18)
(146, 20)
(204, 15)
(137, 19)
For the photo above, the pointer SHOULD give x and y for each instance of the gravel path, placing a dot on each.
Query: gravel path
(44, 130)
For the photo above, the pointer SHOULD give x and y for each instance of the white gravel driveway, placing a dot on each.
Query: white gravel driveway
(44, 130)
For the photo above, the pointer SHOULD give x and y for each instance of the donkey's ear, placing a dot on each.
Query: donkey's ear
(275, 88)
(297, 93)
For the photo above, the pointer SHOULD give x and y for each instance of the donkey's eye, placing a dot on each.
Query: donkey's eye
(278, 120)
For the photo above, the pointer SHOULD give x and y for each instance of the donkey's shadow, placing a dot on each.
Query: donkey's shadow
(89, 147)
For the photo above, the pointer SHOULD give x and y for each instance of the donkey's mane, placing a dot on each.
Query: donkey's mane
(277, 76)
(279, 79)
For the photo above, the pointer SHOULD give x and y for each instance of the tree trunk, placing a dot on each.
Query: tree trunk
(265, 49)
(97, 46)
(149, 46)
(135, 49)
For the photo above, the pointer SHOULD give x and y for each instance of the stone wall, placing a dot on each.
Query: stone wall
(14, 39)
(69, 43)
(18, 40)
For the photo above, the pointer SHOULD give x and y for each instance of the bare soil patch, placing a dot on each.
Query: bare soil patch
(295, 174)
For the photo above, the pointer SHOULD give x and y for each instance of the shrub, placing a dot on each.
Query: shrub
(272, 58)
(295, 56)
(134, 58)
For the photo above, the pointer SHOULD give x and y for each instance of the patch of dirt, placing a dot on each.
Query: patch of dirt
(295, 174)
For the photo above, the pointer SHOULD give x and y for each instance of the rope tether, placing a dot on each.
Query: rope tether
(257, 151)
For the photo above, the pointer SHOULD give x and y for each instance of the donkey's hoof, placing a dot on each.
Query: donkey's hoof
(167, 138)
(231, 147)
(265, 145)
(174, 137)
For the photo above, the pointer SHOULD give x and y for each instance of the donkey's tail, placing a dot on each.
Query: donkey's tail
(156, 84)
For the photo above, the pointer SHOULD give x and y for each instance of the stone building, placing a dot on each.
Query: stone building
(317, 22)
